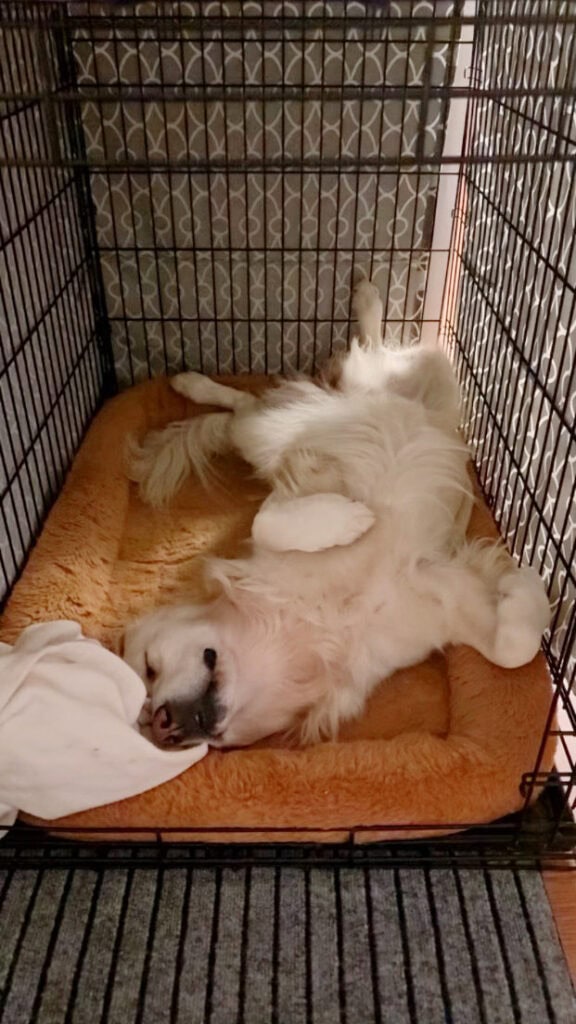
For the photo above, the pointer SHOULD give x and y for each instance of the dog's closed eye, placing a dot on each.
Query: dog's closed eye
(210, 658)
(151, 673)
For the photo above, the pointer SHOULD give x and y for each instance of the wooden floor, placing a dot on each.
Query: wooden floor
(561, 889)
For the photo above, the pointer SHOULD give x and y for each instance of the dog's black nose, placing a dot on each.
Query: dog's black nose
(210, 657)
(180, 723)
(165, 730)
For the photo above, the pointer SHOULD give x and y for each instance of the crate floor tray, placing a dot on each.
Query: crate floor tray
(442, 745)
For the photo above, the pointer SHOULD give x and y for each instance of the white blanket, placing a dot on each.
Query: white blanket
(68, 734)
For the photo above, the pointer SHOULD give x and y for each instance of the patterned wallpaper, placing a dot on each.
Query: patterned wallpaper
(236, 174)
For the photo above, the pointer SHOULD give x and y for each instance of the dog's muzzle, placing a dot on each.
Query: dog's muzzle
(182, 723)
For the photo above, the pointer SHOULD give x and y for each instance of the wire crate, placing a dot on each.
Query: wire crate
(198, 185)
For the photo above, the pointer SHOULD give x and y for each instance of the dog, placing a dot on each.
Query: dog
(359, 563)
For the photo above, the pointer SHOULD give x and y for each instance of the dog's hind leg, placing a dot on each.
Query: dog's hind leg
(425, 375)
(204, 391)
(312, 522)
(492, 605)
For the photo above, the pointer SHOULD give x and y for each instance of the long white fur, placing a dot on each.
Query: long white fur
(359, 564)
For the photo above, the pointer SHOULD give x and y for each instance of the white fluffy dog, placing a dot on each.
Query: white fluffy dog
(359, 563)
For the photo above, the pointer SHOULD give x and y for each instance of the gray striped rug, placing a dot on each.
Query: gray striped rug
(290, 945)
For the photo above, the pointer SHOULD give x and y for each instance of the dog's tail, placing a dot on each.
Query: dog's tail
(160, 463)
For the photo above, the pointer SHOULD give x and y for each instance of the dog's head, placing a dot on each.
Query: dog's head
(214, 676)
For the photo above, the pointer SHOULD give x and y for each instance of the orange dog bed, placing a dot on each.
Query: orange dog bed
(440, 746)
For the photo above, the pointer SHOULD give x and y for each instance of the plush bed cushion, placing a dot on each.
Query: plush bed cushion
(440, 746)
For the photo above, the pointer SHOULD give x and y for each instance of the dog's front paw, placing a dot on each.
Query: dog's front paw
(523, 615)
(194, 386)
(344, 525)
(312, 522)
(368, 310)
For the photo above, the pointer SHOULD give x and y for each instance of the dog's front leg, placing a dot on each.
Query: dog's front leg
(367, 306)
(204, 391)
(314, 522)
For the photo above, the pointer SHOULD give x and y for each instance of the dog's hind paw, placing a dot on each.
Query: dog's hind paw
(523, 615)
(365, 297)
